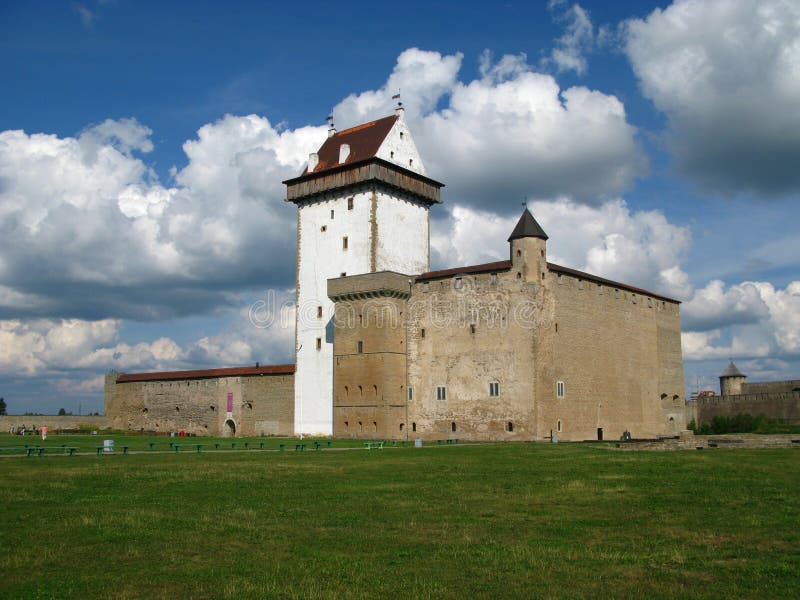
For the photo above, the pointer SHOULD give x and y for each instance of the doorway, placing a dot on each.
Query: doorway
(230, 429)
(599, 434)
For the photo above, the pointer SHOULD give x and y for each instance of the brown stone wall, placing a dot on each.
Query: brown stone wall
(369, 381)
(784, 406)
(268, 405)
(472, 338)
(53, 422)
(619, 356)
(262, 405)
(770, 387)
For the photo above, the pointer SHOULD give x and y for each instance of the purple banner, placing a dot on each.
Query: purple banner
(230, 401)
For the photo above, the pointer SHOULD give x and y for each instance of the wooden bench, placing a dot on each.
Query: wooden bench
(198, 447)
(100, 450)
(13, 449)
(377, 445)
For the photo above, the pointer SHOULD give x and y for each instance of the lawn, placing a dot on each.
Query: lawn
(487, 521)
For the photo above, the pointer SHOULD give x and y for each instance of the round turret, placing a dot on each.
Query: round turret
(731, 381)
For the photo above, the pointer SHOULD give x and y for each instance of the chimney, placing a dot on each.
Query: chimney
(313, 161)
(344, 152)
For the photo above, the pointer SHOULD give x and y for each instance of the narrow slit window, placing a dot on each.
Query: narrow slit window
(441, 392)
(350, 203)
(494, 389)
(560, 390)
(344, 243)
(319, 312)
(360, 347)
(319, 343)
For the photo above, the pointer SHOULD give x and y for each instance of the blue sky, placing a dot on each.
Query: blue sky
(142, 147)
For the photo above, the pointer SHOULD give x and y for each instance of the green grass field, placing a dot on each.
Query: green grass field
(486, 521)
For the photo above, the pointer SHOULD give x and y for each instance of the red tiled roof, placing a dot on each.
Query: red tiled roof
(506, 264)
(484, 268)
(208, 373)
(364, 141)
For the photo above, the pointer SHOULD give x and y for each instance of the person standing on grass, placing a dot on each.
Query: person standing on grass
(44, 432)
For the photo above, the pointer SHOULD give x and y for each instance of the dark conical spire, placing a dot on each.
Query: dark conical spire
(732, 371)
(527, 227)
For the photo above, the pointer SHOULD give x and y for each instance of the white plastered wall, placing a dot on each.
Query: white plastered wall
(398, 147)
(402, 243)
(321, 257)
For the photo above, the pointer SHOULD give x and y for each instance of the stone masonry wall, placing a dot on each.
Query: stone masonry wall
(618, 354)
(783, 406)
(464, 334)
(262, 405)
(53, 422)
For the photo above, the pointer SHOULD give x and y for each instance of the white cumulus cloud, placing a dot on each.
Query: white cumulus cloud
(727, 76)
(509, 134)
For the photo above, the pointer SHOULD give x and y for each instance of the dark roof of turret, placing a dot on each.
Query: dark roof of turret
(732, 371)
(527, 227)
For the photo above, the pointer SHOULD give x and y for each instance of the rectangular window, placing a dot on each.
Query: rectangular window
(350, 203)
(426, 287)
(319, 343)
(331, 213)
(319, 312)
(560, 390)
(494, 389)
(441, 392)
(360, 347)
(422, 332)
(410, 393)
(344, 243)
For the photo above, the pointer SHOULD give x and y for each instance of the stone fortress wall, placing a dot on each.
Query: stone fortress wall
(197, 402)
(53, 422)
(779, 400)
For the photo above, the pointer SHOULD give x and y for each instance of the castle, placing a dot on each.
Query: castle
(521, 349)
(779, 400)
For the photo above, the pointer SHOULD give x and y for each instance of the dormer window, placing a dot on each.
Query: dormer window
(344, 152)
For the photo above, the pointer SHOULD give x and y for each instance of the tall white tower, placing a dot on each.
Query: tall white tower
(363, 206)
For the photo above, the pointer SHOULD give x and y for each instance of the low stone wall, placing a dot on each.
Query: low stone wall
(52, 422)
(688, 441)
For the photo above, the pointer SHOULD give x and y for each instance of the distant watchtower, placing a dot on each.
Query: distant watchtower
(731, 381)
(363, 206)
